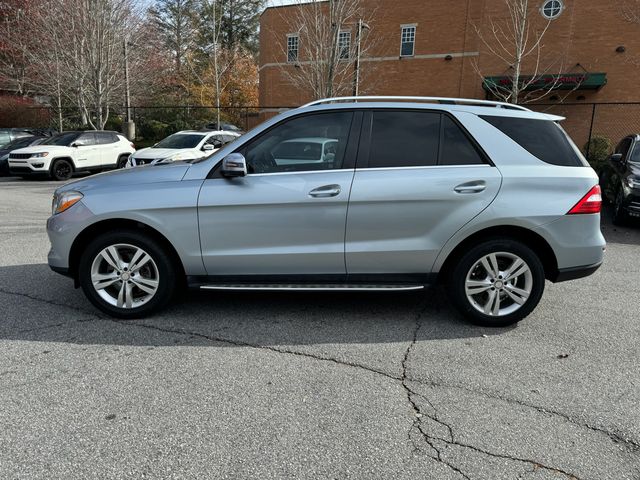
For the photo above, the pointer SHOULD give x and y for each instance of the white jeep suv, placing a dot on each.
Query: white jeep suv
(185, 145)
(61, 155)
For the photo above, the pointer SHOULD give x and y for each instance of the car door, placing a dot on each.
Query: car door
(87, 153)
(419, 179)
(281, 219)
(613, 170)
(109, 148)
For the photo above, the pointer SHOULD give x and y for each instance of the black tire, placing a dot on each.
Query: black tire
(620, 217)
(122, 161)
(458, 276)
(166, 273)
(61, 169)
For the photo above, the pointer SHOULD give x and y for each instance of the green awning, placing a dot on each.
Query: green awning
(562, 81)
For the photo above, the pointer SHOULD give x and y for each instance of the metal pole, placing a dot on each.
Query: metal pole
(127, 94)
(593, 116)
(356, 73)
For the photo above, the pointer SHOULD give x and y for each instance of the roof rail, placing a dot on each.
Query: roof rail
(441, 100)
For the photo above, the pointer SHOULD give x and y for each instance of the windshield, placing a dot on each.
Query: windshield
(62, 139)
(635, 155)
(19, 143)
(180, 140)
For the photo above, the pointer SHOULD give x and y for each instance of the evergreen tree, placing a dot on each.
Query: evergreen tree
(176, 22)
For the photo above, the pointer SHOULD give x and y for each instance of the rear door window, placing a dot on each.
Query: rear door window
(456, 148)
(104, 138)
(86, 139)
(404, 139)
(543, 139)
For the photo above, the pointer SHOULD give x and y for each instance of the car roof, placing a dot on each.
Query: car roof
(477, 107)
(207, 132)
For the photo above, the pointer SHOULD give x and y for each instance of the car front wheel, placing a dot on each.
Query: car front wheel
(126, 274)
(497, 283)
(61, 169)
(619, 213)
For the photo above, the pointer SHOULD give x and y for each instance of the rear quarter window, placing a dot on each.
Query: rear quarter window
(544, 139)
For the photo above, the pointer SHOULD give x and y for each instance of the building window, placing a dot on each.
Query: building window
(552, 9)
(293, 41)
(344, 45)
(408, 42)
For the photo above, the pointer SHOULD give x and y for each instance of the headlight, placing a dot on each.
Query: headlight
(65, 200)
(39, 155)
(633, 181)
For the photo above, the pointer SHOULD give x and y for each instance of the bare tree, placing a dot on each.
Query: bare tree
(83, 62)
(215, 60)
(516, 40)
(15, 41)
(326, 32)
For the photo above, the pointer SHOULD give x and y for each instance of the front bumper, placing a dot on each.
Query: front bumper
(632, 204)
(35, 166)
(62, 230)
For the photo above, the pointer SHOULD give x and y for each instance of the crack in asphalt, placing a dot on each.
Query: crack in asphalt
(614, 436)
(240, 343)
(417, 413)
(404, 379)
(50, 302)
(430, 438)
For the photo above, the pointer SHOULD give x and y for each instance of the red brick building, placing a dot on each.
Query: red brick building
(590, 52)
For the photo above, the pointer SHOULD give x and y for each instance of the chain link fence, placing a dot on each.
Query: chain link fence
(153, 123)
(595, 128)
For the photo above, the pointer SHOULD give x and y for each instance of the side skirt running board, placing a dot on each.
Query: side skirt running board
(310, 288)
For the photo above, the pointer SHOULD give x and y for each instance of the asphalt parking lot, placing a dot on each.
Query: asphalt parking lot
(248, 385)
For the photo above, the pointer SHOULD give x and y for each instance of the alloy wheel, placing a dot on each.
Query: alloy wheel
(125, 276)
(62, 170)
(499, 284)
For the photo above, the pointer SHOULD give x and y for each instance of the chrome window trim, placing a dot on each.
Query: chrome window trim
(423, 167)
(300, 172)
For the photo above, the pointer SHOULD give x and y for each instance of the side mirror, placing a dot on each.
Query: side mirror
(234, 165)
(207, 147)
(616, 158)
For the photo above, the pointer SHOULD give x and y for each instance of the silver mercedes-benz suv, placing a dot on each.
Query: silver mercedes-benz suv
(489, 198)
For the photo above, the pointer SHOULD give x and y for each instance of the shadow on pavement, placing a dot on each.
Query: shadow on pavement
(39, 305)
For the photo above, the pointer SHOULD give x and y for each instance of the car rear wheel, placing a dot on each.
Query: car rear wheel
(497, 283)
(127, 274)
(61, 169)
(122, 161)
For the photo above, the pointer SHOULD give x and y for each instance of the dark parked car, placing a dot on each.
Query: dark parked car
(620, 179)
(223, 126)
(20, 142)
(8, 135)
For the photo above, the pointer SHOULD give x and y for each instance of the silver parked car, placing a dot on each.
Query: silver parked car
(489, 198)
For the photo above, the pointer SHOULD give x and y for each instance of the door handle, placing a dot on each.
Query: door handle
(326, 191)
(471, 187)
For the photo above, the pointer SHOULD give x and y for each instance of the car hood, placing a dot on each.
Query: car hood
(42, 148)
(169, 172)
(153, 153)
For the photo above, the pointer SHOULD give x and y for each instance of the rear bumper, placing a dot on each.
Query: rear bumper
(61, 270)
(566, 274)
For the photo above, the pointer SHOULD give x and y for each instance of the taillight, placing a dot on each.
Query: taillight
(590, 203)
